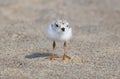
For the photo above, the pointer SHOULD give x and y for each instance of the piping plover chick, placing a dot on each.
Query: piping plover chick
(59, 31)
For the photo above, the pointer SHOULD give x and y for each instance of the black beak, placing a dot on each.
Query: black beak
(63, 29)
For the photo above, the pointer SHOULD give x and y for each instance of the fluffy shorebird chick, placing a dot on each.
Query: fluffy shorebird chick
(59, 31)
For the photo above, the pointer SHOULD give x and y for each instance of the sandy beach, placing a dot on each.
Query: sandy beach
(94, 48)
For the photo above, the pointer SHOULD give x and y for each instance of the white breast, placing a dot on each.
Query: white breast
(66, 35)
(55, 36)
(52, 35)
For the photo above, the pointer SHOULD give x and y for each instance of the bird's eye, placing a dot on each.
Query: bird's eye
(67, 26)
(56, 25)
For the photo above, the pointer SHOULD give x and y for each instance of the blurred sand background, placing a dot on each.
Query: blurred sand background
(94, 48)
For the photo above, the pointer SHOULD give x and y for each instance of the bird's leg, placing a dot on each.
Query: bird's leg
(65, 55)
(53, 53)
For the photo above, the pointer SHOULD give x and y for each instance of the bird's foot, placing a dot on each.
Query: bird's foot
(65, 56)
(53, 57)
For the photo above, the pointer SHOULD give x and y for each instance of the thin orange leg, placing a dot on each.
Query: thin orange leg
(53, 53)
(65, 55)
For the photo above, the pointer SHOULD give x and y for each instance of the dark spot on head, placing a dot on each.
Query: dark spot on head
(56, 25)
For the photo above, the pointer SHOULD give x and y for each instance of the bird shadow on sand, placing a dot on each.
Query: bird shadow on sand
(37, 55)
